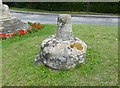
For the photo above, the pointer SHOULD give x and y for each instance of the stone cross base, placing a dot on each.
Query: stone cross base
(11, 25)
(63, 51)
(8, 23)
(59, 54)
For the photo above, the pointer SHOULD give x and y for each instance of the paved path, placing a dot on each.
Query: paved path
(51, 18)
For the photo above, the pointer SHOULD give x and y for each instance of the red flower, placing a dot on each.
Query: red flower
(29, 30)
(38, 25)
(34, 25)
(22, 32)
(26, 32)
(8, 34)
(42, 27)
(13, 34)
(3, 35)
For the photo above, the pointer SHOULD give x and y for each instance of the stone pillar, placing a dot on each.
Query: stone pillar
(0, 9)
(64, 30)
(4, 11)
(0, 15)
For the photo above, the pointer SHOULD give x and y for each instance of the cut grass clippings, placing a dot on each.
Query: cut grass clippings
(100, 67)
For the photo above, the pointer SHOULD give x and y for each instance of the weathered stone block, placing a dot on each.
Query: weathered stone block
(12, 24)
(8, 23)
(63, 51)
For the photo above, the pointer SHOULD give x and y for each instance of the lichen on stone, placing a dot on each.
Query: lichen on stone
(77, 45)
(63, 51)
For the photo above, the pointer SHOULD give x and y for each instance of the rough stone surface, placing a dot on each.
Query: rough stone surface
(4, 11)
(11, 25)
(63, 51)
(60, 55)
(64, 30)
(8, 23)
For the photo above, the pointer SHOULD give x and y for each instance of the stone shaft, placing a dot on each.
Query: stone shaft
(0, 9)
(64, 24)
(4, 11)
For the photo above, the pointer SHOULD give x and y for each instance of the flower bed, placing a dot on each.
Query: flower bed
(33, 27)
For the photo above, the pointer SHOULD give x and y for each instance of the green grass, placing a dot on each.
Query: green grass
(99, 69)
(0, 63)
(59, 12)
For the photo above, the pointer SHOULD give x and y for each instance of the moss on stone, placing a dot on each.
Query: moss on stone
(77, 45)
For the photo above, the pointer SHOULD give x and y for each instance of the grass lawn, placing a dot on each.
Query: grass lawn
(100, 68)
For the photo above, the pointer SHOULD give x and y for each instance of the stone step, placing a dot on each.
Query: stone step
(11, 25)
(14, 27)
(1, 29)
(10, 21)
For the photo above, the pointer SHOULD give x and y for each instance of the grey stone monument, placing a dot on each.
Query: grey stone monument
(64, 31)
(63, 51)
(8, 23)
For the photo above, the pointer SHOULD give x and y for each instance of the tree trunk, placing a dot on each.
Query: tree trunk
(88, 6)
